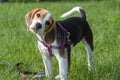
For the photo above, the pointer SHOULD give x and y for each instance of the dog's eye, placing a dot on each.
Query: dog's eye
(47, 23)
(38, 15)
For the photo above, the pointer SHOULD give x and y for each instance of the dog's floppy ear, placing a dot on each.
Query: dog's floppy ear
(28, 19)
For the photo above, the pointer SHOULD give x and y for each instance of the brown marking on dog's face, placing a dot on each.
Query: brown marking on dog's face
(50, 24)
(39, 16)
(29, 16)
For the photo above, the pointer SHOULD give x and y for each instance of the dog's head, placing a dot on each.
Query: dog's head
(39, 21)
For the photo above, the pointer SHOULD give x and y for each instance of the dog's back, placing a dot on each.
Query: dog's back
(77, 26)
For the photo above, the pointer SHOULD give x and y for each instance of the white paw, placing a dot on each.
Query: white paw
(57, 77)
(39, 75)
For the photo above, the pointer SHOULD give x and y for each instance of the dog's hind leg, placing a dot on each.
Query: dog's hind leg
(88, 42)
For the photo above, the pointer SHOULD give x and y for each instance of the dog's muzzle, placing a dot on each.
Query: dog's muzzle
(38, 26)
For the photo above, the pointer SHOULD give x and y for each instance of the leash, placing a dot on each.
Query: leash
(24, 73)
(66, 42)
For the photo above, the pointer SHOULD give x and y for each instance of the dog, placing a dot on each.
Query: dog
(58, 38)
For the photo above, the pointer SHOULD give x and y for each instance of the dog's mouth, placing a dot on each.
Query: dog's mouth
(36, 28)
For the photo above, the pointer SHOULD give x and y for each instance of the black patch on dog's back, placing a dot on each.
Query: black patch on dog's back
(76, 26)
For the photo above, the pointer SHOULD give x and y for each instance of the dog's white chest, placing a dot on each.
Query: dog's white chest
(43, 49)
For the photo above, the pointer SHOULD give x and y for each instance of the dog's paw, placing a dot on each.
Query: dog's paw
(39, 75)
(57, 77)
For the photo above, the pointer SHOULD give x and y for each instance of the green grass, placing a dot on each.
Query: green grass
(19, 45)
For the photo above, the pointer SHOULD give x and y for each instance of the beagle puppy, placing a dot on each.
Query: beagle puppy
(57, 38)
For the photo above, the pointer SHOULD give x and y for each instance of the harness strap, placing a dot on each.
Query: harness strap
(62, 46)
(49, 47)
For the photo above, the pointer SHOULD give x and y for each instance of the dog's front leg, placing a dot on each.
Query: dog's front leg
(48, 66)
(63, 65)
(46, 59)
(63, 68)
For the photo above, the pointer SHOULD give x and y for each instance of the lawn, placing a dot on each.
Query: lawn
(19, 45)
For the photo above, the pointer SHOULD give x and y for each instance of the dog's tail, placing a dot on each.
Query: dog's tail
(75, 9)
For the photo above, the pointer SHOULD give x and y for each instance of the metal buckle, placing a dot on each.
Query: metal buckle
(68, 36)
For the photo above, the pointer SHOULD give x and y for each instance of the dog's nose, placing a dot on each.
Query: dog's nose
(38, 26)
